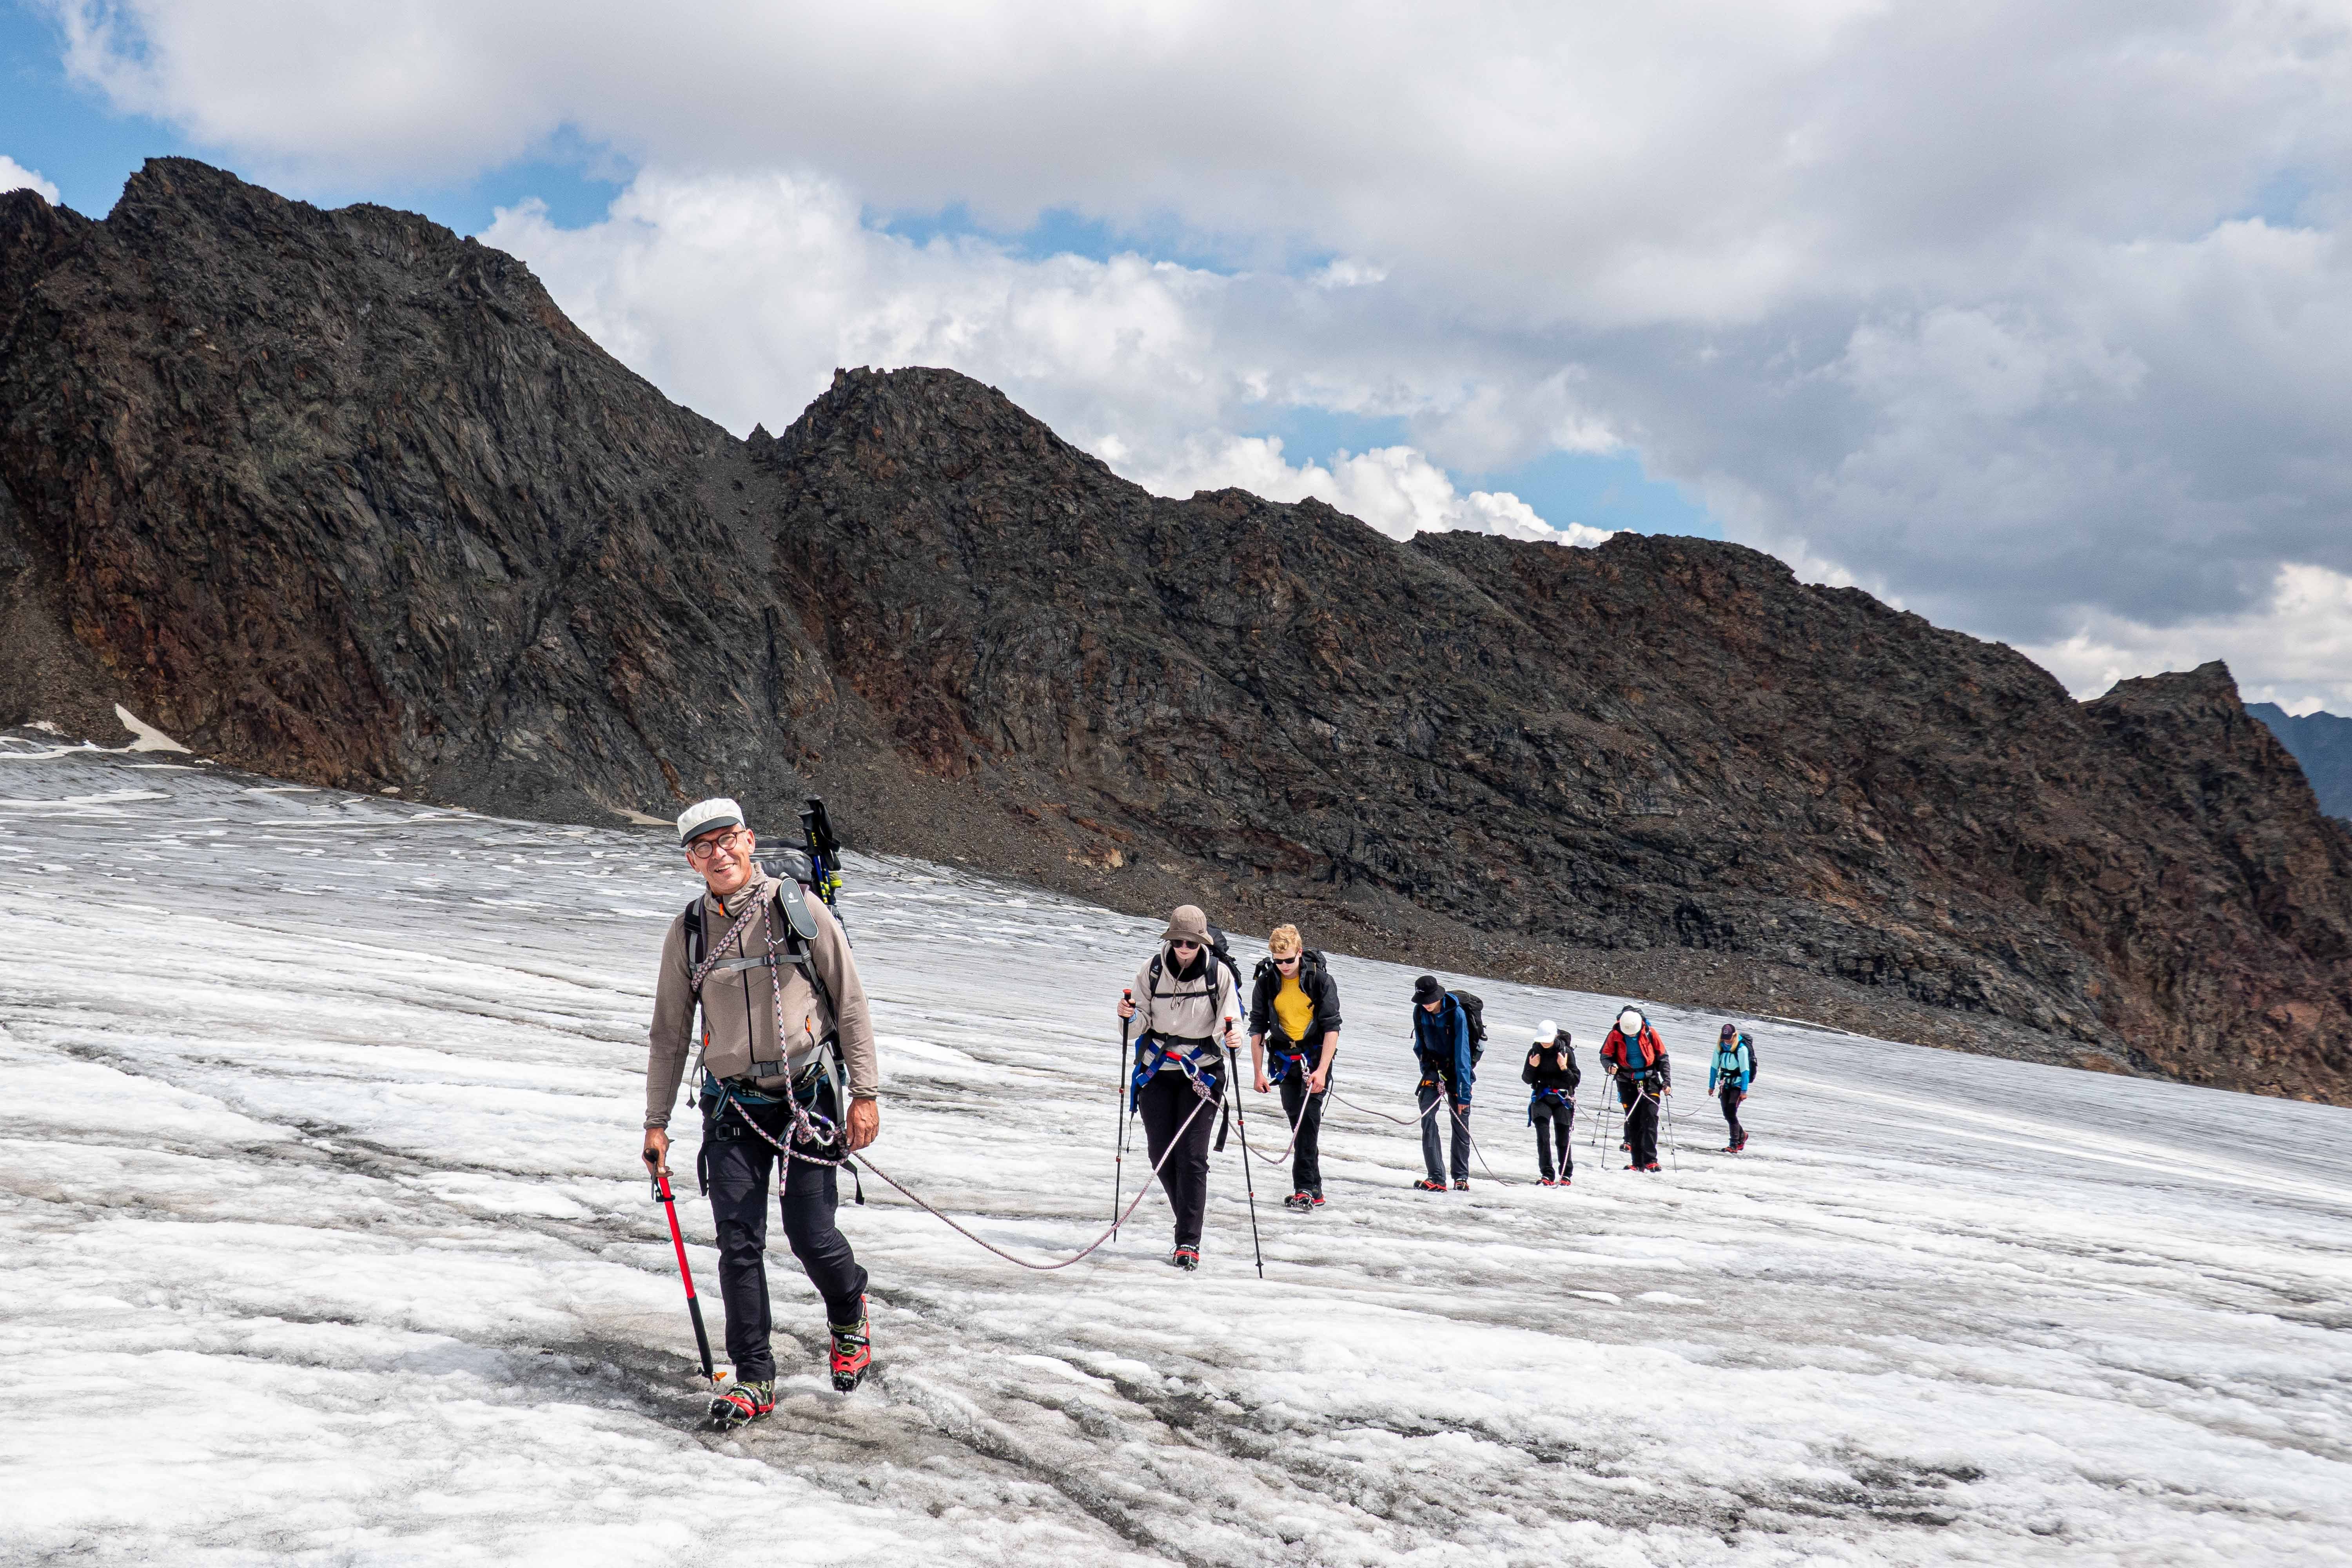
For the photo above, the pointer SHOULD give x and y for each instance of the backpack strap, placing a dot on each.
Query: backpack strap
(696, 940)
(795, 903)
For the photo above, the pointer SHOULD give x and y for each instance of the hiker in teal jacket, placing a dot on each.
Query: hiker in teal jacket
(1729, 1076)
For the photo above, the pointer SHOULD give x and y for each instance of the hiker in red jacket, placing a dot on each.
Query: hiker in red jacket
(1635, 1055)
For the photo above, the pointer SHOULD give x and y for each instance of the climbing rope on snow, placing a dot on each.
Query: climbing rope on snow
(912, 1197)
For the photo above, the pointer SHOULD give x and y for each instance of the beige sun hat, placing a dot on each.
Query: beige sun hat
(1189, 923)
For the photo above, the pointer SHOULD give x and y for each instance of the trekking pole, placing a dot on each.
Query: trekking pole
(1241, 1119)
(1126, 1075)
(678, 1240)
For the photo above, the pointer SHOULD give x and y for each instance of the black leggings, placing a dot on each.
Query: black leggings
(736, 1162)
(1306, 1112)
(1641, 1124)
(1553, 1118)
(1731, 1096)
(1164, 1104)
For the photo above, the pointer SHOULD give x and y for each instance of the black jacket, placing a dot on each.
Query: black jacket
(1552, 1067)
(1315, 979)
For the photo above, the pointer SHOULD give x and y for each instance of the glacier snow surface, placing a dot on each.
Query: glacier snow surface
(324, 1242)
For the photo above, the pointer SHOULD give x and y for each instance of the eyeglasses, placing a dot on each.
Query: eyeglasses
(703, 848)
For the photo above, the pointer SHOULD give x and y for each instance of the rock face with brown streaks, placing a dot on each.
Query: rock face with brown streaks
(345, 498)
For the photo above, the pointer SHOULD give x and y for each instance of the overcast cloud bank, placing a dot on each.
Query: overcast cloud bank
(2031, 318)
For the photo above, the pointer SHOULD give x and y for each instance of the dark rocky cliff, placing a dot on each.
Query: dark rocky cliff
(340, 497)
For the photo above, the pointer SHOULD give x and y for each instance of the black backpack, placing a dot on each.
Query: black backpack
(1476, 1011)
(1221, 948)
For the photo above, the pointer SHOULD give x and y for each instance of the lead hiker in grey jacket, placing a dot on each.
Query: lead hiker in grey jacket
(783, 1024)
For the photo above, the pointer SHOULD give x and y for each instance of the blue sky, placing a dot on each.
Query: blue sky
(73, 137)
(2034, 338)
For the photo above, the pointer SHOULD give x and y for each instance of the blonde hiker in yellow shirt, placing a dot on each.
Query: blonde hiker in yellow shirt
(1294, 1033)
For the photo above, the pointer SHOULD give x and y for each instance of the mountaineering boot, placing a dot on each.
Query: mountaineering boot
(1653, 1165)
(1299, 1201)
(1186, 1257)
(1547, 1182)
(742, 1404)
(1426, 1185)
(853, 1351)
(1315, 1200)
(1461, 1184)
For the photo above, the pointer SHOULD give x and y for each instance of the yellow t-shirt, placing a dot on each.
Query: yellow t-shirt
(1294, 1009)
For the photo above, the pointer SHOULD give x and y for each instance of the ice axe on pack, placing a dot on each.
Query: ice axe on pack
(677, 1239)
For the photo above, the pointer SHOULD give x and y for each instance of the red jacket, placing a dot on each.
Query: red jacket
(1649, 1053)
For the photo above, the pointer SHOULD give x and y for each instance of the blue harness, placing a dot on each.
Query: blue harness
(1280, 1065)
(1154, 1051)
(1544, 1092)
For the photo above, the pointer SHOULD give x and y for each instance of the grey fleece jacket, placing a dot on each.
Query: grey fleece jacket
(739, 1006)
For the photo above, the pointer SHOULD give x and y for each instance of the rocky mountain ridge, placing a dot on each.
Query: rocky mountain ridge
(341, 497)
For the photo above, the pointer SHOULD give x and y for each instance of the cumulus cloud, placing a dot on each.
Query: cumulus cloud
(2028, 316)
(2294, 648)
(740, 294)
(1396, 489)
(14, 176)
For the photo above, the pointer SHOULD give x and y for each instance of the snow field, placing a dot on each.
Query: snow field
(322, 1240)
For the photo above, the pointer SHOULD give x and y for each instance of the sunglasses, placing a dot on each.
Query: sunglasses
(1185, 946)
(1285, 959)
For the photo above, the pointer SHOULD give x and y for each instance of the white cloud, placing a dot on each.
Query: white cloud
(14, 176)
(2031, 316)
(1396, 489)
(2293, 648)
(1128, 357)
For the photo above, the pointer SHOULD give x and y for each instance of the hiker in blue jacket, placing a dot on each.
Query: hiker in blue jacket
(1445, 1043)
(1729, 1076)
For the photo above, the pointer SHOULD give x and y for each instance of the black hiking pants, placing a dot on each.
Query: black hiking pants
(1304, 1112)
(1553, 1118)
(1433, 1131)
(1641, 1124)
(1731, 1095)
(1164, 1104)
(735, 1164)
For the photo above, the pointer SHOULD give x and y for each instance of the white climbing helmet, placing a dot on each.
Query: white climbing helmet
(1630, 1022)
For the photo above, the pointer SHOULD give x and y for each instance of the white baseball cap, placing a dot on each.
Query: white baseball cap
(703, 815)
(1545, 1031)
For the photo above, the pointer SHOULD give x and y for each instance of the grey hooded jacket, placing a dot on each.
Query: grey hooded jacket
(739, 1005)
